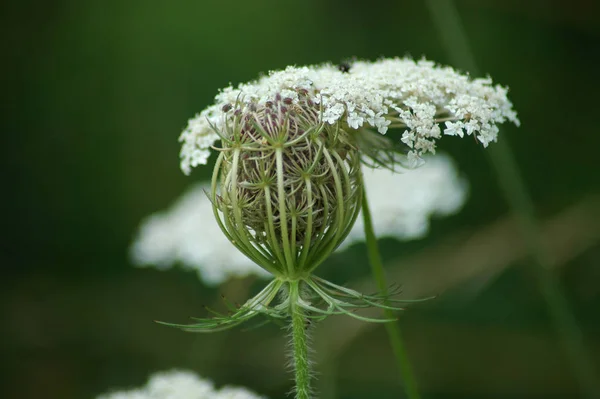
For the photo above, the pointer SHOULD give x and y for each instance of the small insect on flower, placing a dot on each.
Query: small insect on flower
(346, 64)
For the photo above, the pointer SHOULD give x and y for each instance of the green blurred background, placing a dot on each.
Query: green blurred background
(95, 95)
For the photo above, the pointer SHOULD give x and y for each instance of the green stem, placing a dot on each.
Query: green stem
(300, 359)
(445, 16)
(392, 328)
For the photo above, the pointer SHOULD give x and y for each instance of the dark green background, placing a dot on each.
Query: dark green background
(95, 94)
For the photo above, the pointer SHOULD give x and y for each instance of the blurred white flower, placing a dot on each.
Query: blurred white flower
(187, 233)
(180, 385)
(401, 206)
(389, 93)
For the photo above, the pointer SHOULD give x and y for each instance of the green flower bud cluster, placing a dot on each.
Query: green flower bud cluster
(286, 187)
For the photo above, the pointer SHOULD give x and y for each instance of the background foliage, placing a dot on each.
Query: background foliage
(95, 95)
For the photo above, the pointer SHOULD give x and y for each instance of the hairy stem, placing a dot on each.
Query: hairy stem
(300, 358)
(447, 19)
(392, 328)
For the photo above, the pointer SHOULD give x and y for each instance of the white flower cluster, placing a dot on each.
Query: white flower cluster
(187, 233)
(390, 93)
(401, 206)
(181, 385)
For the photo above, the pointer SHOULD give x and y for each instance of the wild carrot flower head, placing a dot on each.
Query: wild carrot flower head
(286, 186)
(423, 100)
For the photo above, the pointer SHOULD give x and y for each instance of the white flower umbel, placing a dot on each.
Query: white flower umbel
(181, 385)
(421, 98)
(402, 204)
(187, 234)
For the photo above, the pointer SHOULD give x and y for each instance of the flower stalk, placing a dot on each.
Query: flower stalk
(392, 328)
(300, 343)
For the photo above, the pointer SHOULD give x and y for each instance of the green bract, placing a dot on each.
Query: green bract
(286, 187)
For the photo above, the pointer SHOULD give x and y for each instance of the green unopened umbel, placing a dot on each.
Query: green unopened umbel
(286, 187)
